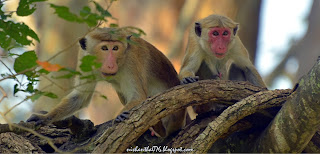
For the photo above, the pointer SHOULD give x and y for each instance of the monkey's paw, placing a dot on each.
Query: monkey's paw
(123, 116)
(40, 119)
(188, 80)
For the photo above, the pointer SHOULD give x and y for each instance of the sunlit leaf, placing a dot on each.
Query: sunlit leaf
(70, 73)
(18, 31)
(49, 67)
(43, 71)
(104, 13)
(25, 61)
(50, 94)
(38, 94)
(88, 63)
(64, 13)
(92, 20)
(24, 8)
(5, 40)
(85, 11)
(30, 88)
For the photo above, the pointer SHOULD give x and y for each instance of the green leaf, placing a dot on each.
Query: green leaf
(92, 20)
(104, 13)
(90, 77)
(5, 40)
(71, 73)
(113, 25)
(25, 61)
(24, 8)
(88, 63)
(86, 16)
(85, 11)
(51, 95)
(36, 96)
(15, 89)
(17, 31)
(137, 32)
(105, 97)
(30, 88)
(43, 71)
(64, 13)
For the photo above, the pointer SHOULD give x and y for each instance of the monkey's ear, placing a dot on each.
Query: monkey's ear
(82, 43)
(197, 29)
(235, 29)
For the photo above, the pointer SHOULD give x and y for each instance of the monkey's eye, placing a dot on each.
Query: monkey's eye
(215, 33)
(115, 48)
(104, 48)
(225, 33)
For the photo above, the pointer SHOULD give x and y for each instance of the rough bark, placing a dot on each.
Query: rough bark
(234, 113)
(297, 121)
(13, 143)
(120, 137)
(234, 130)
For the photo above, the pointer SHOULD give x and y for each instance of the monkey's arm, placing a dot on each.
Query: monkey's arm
(74, 101)
(250, 73)
(190, 66)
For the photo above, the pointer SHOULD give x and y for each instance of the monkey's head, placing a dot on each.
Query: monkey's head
(109, 46)
(216, 34)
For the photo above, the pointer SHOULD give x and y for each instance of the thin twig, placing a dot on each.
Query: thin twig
(54, 83)
(3, 93)
(16, 106)
(20, 73)
(6, 120)
(109, 5)
(72, 44)
(24, 100)
(9, 70)
(6, 67)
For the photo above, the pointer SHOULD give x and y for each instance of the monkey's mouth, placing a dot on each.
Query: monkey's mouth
(108, 74)
(219, 55)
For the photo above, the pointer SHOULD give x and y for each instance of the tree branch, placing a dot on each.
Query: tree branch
(297, 121)
(122, 135)
(234, 113)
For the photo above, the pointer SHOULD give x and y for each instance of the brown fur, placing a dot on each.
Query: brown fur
(199, 60)
(143, 71)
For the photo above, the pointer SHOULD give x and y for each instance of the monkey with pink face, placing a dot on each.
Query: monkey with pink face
(215, 51)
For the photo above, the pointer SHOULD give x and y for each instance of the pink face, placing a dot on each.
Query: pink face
(219, 38)
(108, 53)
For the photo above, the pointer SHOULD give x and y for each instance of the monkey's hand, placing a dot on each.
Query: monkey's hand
(188, 80)
(40, 119)
(123, 116)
